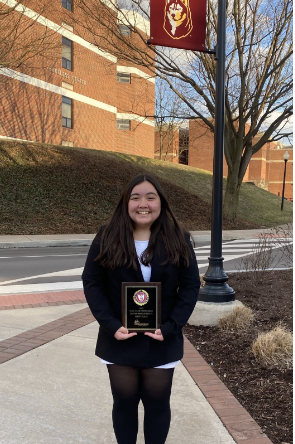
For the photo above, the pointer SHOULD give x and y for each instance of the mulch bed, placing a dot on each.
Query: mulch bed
(265, 393)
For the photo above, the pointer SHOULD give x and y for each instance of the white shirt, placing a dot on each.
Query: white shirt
(140, 246)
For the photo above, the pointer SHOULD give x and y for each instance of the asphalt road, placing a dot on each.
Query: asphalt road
(25, 270)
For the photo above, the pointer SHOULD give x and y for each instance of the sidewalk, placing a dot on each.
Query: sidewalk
(63, 240)
(47, 350)
(47, 343)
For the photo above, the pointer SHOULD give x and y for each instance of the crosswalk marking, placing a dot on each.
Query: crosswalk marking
(237, 249)
(38, 288)
(273, 239)
(71, 272)
(231, 250)
(227, 250)
(44, 255)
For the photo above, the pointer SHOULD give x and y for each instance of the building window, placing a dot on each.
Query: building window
(123, 124)
(183, 157)
(67, 4)
(123, 77)
(124, 30)
(67, 120)
(67, 53)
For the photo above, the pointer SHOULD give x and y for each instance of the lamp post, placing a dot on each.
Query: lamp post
(286, 158)
(216, 288)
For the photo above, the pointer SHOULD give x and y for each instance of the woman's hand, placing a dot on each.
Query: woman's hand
(122, 334)
(157, 335)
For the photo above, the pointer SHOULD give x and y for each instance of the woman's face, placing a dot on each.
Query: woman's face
(144, 205)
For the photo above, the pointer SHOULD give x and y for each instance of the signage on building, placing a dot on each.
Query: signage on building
(66, 75)
(178, 24)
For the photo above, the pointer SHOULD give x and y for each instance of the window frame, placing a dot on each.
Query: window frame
(67, 119)
(124, 30)
(66, 3)
(120, 124)
(67, 63)
(123, 75)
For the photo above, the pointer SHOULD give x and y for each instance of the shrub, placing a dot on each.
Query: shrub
(282, 237)
(274, 348)
(260, 260)
(239, 319)
(202, 281)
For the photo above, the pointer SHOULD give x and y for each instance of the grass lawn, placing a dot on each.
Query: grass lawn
(256, 205)
(52, 189)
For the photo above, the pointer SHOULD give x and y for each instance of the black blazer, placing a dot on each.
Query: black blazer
(102, 287)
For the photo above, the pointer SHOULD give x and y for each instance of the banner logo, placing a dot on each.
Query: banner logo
(178, 18)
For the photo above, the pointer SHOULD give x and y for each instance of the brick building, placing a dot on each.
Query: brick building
(195, 147)
(266, 167)
(71, 92)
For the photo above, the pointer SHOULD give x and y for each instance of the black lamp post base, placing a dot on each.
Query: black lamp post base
(216, 289)
(216, 292)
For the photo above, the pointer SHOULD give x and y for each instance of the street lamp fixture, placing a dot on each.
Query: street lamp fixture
(286, 158)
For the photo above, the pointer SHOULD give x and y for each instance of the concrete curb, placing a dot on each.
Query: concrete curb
(238, 422)
(68, 240)
(53, 243)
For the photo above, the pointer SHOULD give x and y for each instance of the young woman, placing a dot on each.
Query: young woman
(141, 242)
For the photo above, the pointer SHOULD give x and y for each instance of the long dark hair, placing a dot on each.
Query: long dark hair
(116, 241)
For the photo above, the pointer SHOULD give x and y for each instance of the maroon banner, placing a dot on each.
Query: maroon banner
(179, 24)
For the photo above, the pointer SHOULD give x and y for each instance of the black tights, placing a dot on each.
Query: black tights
(153, 387)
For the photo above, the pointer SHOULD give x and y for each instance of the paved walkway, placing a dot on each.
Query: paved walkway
(54, 390)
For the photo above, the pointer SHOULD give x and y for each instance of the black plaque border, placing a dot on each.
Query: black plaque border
(141, 286)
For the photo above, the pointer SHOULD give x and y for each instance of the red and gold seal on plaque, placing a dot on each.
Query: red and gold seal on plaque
(141, 297)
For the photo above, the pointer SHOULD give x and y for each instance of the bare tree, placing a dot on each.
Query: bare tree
(170, 115)
(282, 237)
(258, 102)
(24, 35)
(260, 260)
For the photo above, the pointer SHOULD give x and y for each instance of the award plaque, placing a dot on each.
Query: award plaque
(141, 306)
